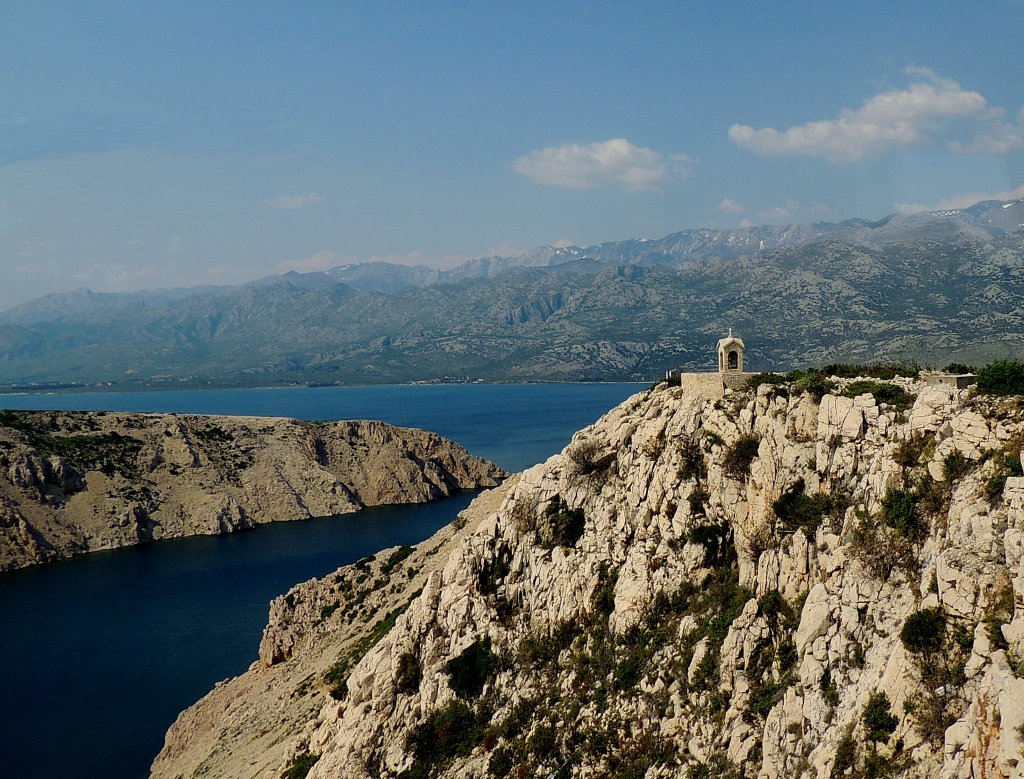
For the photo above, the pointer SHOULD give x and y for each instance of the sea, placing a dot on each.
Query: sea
(100, 653)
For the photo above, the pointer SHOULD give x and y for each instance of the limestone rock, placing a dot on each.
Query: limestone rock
(676, 607)
(76, 482)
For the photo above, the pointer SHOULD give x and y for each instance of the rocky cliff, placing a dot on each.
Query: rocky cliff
(786, 581)
(78, 482)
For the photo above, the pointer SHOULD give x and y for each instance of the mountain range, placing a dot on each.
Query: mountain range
(937, 285)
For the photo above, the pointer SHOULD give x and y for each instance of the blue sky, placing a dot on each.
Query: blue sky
(169, 144)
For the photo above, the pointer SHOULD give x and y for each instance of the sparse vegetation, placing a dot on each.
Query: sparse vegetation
(1002, 377)
(470, 671)
(1008, 464)
(697, 500)
(493, 571)
(923, 631)
(885, 371)
(449, 732)
(796, 509)
(300, 766)
(410, 674)
(336, 677)
(758, 379)
(740, 455)
(909, 451)
(879, 721)
(883, 392)
(939, 656)
(586, 460)
(691, 460)
(396, 558)
(717, 542)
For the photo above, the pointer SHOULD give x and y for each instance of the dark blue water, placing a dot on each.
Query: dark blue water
(99, 654)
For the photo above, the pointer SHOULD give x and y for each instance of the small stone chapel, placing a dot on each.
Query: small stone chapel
(730, 354)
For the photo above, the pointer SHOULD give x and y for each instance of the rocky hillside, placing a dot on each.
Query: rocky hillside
(78, 482)
(779, 582)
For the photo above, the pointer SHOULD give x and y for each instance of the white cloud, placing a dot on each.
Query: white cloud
(960, 201)
(730, 206)
(322, 260)
(615, 161)
(999, 138)
(291, 202)
(779, 212)
(902, 118)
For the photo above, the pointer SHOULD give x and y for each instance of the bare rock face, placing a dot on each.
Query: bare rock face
(78, 482)
(753, 584)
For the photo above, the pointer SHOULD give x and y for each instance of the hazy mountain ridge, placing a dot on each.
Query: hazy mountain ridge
(943, 286)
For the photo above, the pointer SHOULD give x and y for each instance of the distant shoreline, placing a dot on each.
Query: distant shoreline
(20, 392)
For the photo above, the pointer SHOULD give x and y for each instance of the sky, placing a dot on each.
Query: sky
(166, 144)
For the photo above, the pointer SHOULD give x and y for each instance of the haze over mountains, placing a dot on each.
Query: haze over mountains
(932, 286)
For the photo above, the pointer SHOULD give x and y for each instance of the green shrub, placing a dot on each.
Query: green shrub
(923, 631)
(493, 572)
(603, 599)
(899, 508)
(565, 525)
(758, 379)
(328, 610)
(409, 675)
(697, 499)
(500, 763)
(955, 466)
(740, 455)
(543, 650)
(1002, 377)
(795, 508)
(449, 732)
(1009, 465)
(879, 548)
(472, 669)
(909, 451)
(542, 741)
(959, 367)
(846, 756)
(300, 766)
(879, 722)
(396, 558)
(691, 456)
(873, 370)
(715, 540)
(897, 397)
(811, 382)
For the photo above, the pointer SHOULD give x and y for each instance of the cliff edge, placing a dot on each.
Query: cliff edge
(75, 482)
(785, 581)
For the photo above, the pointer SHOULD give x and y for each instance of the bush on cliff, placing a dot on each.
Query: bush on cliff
(879, 722)
(740, 455)
(300, 766)
(923, 631)
(897, 397)
(471, 670)
(795, 508)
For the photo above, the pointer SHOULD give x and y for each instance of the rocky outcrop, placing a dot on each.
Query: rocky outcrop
(78, 482)
(760, 583)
